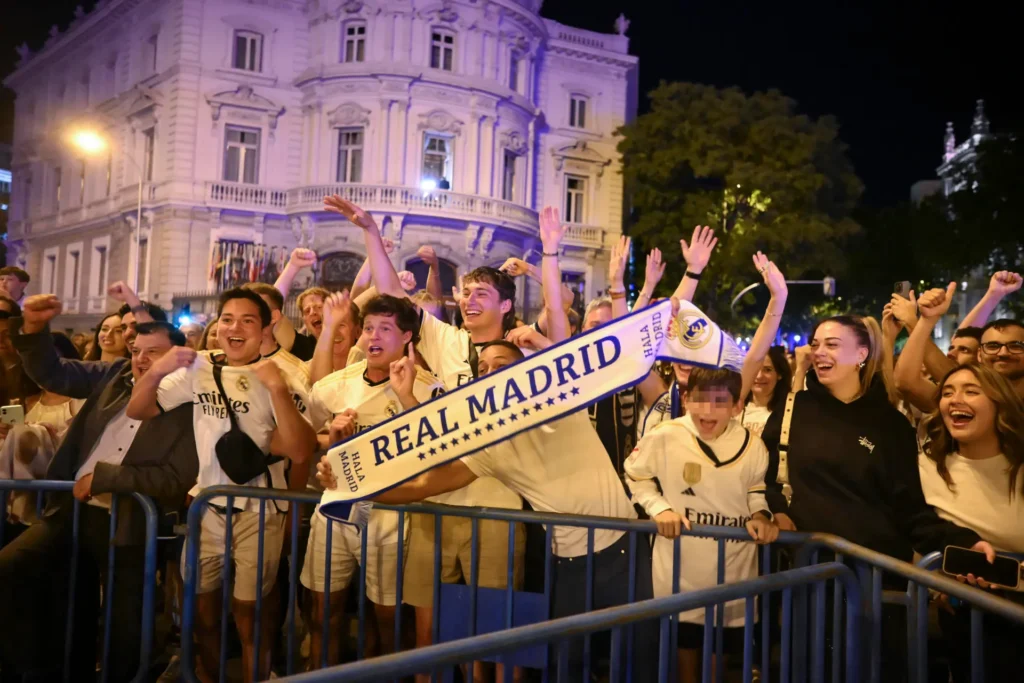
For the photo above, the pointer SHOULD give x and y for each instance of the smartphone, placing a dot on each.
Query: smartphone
(12, 415)
(1004, 572)
(902, 288)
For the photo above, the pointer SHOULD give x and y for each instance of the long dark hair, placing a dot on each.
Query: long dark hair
(96, 353)
(1009, 424)
(777, 355)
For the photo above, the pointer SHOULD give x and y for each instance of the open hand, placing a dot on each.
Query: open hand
(655, 269)
(773, 278)
(335, 204)
(934, 303)
(337, 309)
(617, 264)
(698, 252)
(551, 229)
(670, 523)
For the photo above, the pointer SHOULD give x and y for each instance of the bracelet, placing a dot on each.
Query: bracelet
(616, 295)
(555, 254)
(692, 275)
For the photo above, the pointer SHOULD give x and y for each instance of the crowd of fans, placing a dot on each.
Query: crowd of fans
(899, 454)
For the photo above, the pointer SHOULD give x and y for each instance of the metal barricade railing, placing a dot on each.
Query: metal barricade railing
(42, 487)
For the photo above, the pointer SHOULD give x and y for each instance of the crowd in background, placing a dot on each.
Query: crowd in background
(902, 454)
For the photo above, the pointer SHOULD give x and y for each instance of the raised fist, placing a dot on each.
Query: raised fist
(302, 258)
(269, 375)
(427, 255)
(38, 310)
(177, 357)
(408, 281)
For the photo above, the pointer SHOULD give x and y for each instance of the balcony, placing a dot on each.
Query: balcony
(374, 198)
(578, 235)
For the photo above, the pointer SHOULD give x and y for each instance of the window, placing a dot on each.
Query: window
(73, 271)
(100, 254)
(437, 159)
(248, 51)
(508, 178)
(148, 147)
(442, 50)
(143, 264)
(149, 58)
(513, 72)
(575, 198)
(50, 269)
(577, 111)
(241, 155)
(353, 48)
(81, 183)
(350, 155)
(57, 180)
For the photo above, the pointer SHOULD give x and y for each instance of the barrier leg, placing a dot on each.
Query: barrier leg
(589, 596)
(293, 580)
(108, 592)
(69, 627)
(720, 618)
(748, 642)
(665, 652)
(785, 659)
(225, 587)
(977, 645)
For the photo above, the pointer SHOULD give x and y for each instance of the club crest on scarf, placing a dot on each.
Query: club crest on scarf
(529, 393)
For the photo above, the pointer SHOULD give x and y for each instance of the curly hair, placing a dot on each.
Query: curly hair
(1009, 424)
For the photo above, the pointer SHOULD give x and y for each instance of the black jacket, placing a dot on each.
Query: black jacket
(853, 470)
(161, 463)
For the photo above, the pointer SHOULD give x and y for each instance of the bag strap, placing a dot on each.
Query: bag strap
(787, 423)
(224, 396)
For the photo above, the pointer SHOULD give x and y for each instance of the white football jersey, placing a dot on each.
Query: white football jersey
(719, 482)
(253, 409)
(446, 349)
(373, 402)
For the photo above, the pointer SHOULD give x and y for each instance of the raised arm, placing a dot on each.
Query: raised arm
(517, 266)
(616, 275)
(34, 344)
(933, 304)
(385, 278)
(1000, 286)
(336, 311)
(144, 403)
(450, 477)
(551, 232)
(429, 256)
(769, 327)
(300, 258)
(652, 276)
(120, 291)
(697, 254)
(294, 437)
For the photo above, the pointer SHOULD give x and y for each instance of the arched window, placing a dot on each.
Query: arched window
(338, 270)
(420, 269)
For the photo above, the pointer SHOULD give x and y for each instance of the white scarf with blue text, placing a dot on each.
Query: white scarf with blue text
(538, 389)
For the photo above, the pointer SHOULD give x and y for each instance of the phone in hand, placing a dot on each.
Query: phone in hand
(12, 415)
(902, 288)
(1005, 572)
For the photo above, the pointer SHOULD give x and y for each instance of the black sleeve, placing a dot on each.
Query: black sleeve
(913, 515)
(773, 489)
(304, 346)
(72, 378)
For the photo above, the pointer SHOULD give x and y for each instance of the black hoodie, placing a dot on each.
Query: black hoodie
(853, 470)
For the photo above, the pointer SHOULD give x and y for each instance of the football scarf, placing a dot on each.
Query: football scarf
(533, 391)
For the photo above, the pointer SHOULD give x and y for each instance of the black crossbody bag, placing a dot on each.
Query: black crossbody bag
(239, 456)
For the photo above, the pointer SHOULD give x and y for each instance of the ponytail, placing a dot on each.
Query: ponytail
(878, 362)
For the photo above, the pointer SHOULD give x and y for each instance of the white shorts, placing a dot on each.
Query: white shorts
(346, 551)
(245, 528)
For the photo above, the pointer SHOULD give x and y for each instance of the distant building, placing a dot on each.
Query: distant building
(239, 117)
(957, 159)
(923, 189)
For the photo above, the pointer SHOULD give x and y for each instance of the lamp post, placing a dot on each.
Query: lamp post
(91, 143)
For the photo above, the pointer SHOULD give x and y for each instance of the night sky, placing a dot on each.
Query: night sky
(892, 73)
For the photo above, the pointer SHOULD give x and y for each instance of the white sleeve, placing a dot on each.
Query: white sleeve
(758, 465)
(435, 337)
(426, 386)
(641, 468)
(175, 389)
(481, 463)
(319, 415)
(300, 394)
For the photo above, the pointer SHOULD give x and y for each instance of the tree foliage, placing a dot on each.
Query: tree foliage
(764, 176)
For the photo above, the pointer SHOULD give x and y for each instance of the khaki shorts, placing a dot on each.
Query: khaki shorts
(456, 534)
(245, 528)
(346, 551)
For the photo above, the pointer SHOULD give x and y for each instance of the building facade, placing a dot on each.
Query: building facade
(452, 121)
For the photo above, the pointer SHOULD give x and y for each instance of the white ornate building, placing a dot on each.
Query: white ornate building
(241, 115)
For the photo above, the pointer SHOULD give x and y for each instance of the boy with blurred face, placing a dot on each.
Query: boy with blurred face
(345, 402)
(270, 411)
(704, 468)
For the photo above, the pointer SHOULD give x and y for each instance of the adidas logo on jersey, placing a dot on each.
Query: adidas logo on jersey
(689, 492)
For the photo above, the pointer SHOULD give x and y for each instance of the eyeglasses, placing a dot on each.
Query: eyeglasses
(992, 348)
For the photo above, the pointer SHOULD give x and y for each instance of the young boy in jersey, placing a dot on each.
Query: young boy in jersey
(344, 403)
(710, 471)
(487, 305)
(266, 410)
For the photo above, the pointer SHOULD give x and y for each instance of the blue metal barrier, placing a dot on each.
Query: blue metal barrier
(42, 487)
(614, 619)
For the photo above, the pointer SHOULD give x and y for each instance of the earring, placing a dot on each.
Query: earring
(862, 364)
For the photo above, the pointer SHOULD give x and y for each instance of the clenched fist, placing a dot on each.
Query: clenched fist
(38, 310)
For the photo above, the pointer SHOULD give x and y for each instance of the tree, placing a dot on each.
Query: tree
(762, 175)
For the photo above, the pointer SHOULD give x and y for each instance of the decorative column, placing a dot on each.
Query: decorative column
(529, 199)
(385, 127)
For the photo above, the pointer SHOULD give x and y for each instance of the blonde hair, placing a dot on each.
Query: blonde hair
(878, 362)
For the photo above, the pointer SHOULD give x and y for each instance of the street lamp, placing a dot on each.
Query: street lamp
(91, 143)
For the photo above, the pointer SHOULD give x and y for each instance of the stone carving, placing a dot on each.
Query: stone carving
(486, 241)
(440, 121)
(352, 6)
(472, 235)
(349, 114)
(447, 14)
(243, 97)
(514, 141)
(621, 25)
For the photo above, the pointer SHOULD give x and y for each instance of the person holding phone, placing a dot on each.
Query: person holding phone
(970, 467)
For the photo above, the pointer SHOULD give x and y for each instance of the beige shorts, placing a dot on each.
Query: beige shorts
(456, 534)
(245, 528)
(346, 551)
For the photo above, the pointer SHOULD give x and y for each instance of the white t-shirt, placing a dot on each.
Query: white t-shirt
(253, 409)
(446, 349)
(374, 402)
(560, 467)
(755, 417)
(723, 493)
(293, 369)
(980, 499)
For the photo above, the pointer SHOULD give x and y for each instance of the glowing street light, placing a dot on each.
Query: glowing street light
(90, 143)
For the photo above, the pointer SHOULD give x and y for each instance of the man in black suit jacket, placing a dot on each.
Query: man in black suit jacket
(104, 452)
